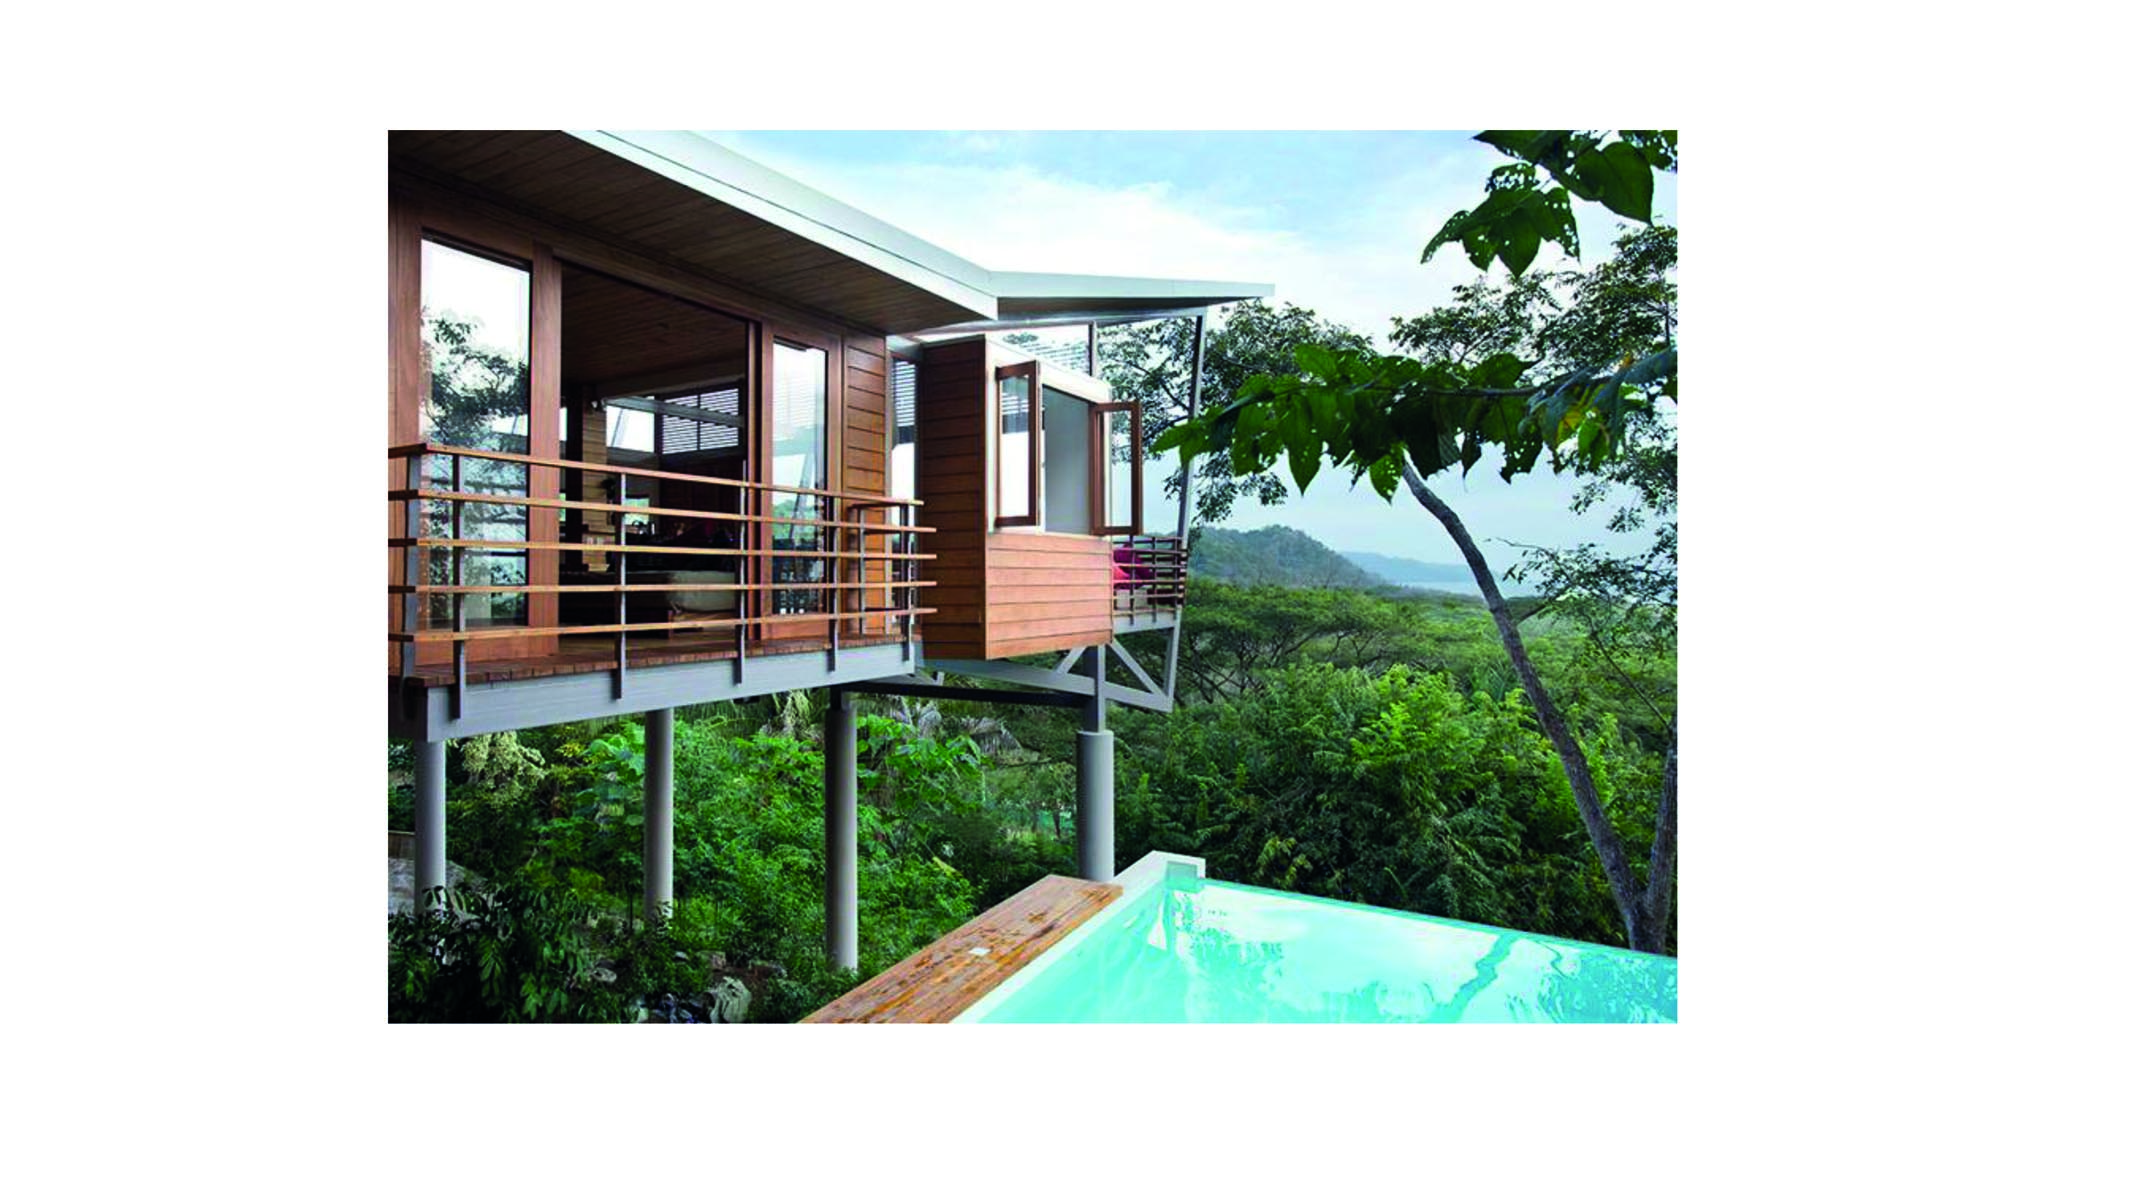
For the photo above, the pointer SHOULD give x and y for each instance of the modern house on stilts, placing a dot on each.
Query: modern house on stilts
(667, 427)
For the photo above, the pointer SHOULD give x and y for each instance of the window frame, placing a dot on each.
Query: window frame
(1100, 466)
(1035, 515)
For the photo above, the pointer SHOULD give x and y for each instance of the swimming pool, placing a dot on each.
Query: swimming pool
(1179, 947)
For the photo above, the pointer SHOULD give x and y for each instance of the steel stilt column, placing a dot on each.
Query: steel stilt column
(1192, 409)
(840, 825)
(1093, 780)
(658, 814)
(429, 818)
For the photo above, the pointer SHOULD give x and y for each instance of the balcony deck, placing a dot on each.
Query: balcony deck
(824, 588)
(584, 654)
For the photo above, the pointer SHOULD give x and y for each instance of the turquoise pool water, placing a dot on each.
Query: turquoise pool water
(1190, 949)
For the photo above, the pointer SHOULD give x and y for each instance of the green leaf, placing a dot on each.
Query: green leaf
(1519, 238)
(1316, 360)
(1513, 142)
(1304, 466)
(1385, 475)
(1453, 230)
(1620, 176)
(1500, 370)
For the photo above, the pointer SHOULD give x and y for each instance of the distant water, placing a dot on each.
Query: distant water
(1463, 587)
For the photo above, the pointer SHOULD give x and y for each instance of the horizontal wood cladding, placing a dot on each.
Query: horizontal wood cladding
(1046, 591)
(865, 454)
(951, 465)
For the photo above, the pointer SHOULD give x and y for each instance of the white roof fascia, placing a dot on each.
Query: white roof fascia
(1037, 285)
(705, 166)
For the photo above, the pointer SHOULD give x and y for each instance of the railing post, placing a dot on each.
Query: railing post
(909, 572)
(459, 599)
(833, 575)
(622, 582)
(744, 574)
(411, 568)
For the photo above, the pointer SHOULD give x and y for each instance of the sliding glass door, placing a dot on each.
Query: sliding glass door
(799, 458)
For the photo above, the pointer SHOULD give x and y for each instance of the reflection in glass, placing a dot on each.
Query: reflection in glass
(476, 350)
(799, 452)
(1067, 433)
(1015, 447)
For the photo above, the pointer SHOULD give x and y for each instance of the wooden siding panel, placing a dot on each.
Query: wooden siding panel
(950, 395)
(1046, 591)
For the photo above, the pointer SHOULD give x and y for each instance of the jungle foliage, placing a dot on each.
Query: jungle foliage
(1363, 746)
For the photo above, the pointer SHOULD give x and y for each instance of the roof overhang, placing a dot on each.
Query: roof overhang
(702, 165)
(688, 199)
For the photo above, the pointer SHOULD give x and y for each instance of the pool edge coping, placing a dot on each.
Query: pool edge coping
(1153, 869)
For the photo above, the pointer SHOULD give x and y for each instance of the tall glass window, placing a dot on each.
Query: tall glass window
(903, 440)
(1017, 448)
(477, 353)
(799, 457)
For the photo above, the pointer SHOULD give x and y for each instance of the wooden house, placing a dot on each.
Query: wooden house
(667, 427)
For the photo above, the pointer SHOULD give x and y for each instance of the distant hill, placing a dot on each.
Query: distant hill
(1276, 554)
(1408, 572)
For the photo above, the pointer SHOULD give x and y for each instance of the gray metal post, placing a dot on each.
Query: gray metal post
(658, 814)
(840, 825)
(1093, 773)
(429, 817)
(1092, 803)
(1192, 409)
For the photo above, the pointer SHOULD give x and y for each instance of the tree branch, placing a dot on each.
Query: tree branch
(1606, 840)
(1659, 883)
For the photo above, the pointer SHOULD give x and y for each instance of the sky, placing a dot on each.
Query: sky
(1335, 221)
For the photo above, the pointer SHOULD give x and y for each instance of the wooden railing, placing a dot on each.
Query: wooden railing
(843, 539)
(1154, 566)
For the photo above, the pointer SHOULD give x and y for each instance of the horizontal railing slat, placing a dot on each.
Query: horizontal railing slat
(644, 548)
(464, 589)
(639, 510)
(564, 464)
(522, 631)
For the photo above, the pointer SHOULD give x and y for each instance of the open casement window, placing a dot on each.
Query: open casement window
(1115, 469)
(1017, 463)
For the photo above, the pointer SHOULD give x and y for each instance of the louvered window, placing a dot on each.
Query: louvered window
(717, 430)
(903, 442)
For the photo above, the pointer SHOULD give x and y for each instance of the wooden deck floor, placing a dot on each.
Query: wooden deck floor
(935, 984)
(578, 655)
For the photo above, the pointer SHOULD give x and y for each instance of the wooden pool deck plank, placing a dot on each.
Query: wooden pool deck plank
(940, 981)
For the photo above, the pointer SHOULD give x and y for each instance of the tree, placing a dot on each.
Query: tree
(1400, 420)
(1625, 603)
(1150, 363)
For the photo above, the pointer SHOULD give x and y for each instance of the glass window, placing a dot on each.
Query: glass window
(799, 457)
(1017, 446)
(1121, 470)
(629, 430)
(903, 441)
(477, 351)
(1067, 466)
